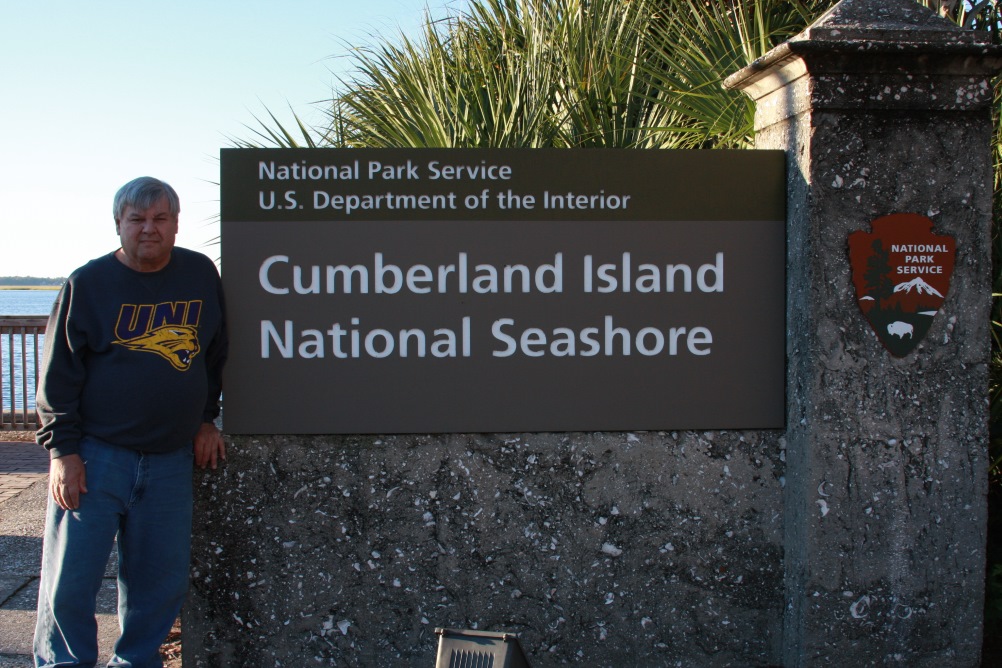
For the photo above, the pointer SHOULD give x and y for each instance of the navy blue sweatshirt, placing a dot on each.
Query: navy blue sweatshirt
(133, 358)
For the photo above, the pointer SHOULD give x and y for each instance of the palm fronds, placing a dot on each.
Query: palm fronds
(559, 73)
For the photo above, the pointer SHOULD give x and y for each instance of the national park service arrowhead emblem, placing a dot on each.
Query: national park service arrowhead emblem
(901, 271)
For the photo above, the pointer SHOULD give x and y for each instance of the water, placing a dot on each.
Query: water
(27, 302)
(21, 302)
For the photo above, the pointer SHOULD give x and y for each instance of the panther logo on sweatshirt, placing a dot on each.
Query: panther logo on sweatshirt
(169, 330)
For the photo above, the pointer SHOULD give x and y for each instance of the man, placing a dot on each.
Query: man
(127, 394)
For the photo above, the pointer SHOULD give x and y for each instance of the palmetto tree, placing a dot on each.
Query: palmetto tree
(639, 73)
(557, 73)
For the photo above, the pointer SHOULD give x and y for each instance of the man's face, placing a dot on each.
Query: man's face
(147, 236)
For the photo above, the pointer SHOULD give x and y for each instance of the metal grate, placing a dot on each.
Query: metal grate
(465, 659)
(479, 649)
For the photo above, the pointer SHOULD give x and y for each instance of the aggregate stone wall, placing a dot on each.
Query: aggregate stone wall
(597, 549)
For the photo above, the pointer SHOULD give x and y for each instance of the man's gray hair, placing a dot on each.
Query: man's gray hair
(142, 193)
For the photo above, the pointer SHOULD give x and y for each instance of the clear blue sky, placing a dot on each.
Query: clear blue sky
(97, 93)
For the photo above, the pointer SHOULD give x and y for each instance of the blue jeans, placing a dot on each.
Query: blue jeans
(144, 499)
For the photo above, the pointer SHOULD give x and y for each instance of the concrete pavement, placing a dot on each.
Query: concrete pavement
(23, 492)
(21, 466)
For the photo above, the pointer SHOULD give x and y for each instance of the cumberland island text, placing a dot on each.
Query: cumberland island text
(349, 337)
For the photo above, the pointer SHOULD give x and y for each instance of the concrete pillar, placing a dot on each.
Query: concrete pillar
(883, 107)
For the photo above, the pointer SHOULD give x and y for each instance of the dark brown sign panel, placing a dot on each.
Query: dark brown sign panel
(422, 291)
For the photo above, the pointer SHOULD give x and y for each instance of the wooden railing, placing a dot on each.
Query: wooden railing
(20, 348)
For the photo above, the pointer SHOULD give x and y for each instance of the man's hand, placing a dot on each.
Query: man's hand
(209, 446)
(67, 481)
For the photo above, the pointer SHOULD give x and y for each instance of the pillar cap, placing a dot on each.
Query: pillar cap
(863, 30)
(887, 21)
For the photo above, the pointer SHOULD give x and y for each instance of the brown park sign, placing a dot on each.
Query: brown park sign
(901, 271)
(511, 290)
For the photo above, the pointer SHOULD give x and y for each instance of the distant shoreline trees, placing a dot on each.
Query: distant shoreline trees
(30, 281)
